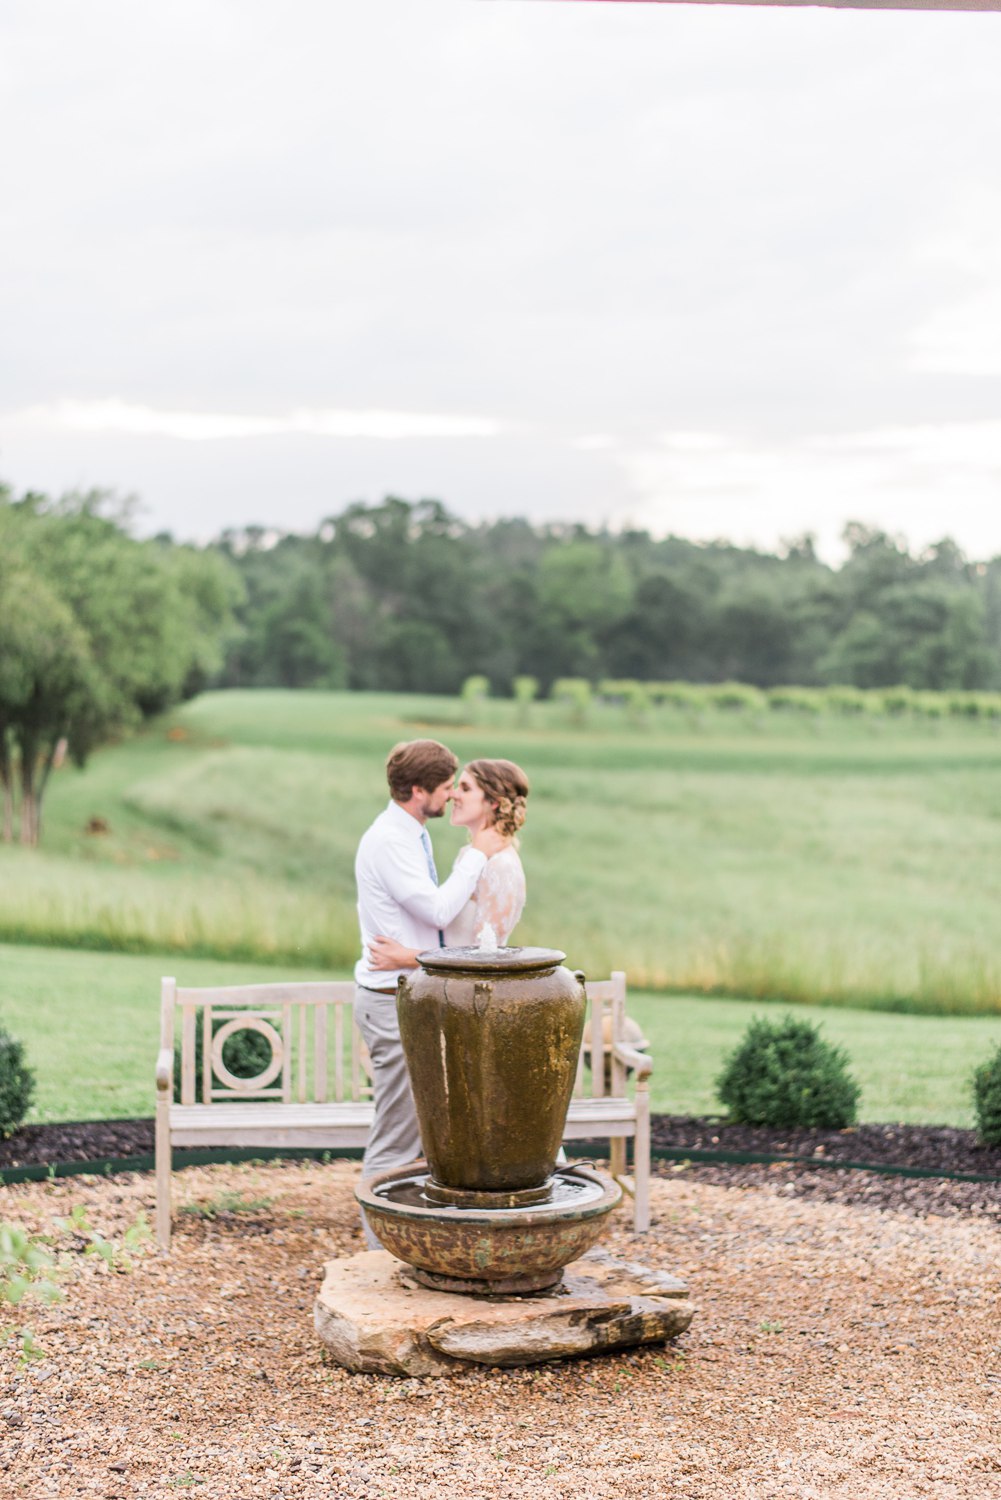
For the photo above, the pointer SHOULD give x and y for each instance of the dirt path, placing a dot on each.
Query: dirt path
(838, 1350)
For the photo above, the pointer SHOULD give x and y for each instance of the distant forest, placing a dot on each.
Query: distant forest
(404, 595)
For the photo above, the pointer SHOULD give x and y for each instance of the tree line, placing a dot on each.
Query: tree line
(99, 629)
(404, 595)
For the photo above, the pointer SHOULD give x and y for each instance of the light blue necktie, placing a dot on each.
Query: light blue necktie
(429, 856)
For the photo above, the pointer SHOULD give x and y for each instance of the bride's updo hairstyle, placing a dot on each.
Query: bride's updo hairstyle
(505, 786)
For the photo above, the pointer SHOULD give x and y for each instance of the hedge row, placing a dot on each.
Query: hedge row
(577, 693)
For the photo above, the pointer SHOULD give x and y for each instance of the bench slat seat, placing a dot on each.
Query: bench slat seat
(330, 1124)
(600, 1119)
(290, 1105)
(266, 1124)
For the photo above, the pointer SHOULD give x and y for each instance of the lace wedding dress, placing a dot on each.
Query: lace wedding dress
(497, 902)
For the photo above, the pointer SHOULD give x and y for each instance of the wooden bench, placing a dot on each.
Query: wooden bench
(315, 1090)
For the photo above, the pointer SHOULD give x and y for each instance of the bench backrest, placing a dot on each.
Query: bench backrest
(317, 1054)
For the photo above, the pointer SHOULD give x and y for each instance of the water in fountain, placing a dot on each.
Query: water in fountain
(561, 1190)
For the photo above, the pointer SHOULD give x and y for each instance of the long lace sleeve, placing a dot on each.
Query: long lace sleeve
(500, 896)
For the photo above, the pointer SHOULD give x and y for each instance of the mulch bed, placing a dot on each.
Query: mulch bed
(925, 1148)
(938, 1149)
(77, 1140)
(934, 1148)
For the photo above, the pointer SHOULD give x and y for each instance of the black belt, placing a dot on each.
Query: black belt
(371, 988)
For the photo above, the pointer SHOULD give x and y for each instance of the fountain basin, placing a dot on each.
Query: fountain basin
(482, 1251)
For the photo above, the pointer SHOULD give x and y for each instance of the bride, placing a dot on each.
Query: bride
(488, 794)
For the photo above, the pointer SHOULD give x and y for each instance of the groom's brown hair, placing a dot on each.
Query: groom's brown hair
(423, 763)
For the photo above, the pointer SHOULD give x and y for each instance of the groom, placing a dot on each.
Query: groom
(399, 897)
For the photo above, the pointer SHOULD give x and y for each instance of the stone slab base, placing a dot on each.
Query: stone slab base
(373, 1316)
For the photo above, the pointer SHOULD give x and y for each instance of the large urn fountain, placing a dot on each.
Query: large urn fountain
(491, 1039)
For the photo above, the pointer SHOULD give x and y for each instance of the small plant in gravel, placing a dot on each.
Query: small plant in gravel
(227, 1203)
(784, 1074)
(30, 1348)
(27, 1269)
(85, 1239)
(17, 1084)
(986, 1088)
(26, 1266)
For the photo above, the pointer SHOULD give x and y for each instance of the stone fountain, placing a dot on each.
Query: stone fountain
(496, 1238)
(491, 1039)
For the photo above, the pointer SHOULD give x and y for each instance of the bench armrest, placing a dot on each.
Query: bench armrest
(165, 1070)
(640, 1062)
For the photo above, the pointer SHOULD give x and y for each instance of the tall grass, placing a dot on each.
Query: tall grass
(838, 859)
(55, 902)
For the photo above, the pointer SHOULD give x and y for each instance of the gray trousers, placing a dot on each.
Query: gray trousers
(396, 1136)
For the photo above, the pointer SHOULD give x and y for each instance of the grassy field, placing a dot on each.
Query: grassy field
(827, 861)
(90, 1023)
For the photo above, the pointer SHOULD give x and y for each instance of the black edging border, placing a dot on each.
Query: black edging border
(111, 1165)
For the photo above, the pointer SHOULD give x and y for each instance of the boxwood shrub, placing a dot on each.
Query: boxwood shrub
(17, 1084)
(784, 1074)
(986, 1084)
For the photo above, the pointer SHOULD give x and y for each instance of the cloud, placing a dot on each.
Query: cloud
(922, 481)
(963, 336)
(961, 340)
(113, 416)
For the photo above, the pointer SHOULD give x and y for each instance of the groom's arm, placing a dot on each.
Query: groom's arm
(409, 883)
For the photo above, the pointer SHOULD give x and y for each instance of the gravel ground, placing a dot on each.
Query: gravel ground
(838, 1350)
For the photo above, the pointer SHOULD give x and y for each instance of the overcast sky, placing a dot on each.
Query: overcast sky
(712, 270)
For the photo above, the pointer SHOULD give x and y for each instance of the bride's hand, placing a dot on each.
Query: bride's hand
(387, 953)
(490, 842)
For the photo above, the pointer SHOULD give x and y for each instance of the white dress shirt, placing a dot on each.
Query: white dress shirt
(397, 897)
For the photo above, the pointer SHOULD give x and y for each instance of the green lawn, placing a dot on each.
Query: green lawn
(825, 861)
(90, 1023)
